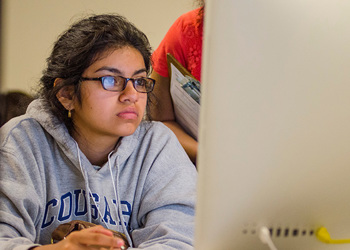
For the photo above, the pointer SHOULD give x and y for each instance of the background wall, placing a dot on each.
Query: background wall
(29, 29)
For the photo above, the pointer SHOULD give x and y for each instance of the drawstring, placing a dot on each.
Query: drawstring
(116, 194)
(86, 180)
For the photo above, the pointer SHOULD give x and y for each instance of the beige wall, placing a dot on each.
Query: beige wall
(30, 28)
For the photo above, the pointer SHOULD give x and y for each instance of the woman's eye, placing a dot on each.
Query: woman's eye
(108, 81)
(140, 82)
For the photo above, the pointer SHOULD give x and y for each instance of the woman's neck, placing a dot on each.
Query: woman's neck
(96, 149)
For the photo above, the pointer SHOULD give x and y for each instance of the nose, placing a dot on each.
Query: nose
(129, 94)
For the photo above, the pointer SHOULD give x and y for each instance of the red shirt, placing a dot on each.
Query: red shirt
(184, 41)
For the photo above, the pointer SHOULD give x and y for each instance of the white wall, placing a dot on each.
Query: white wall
(31, 27)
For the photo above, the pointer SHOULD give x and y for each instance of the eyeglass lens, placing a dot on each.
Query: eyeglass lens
(118, 83)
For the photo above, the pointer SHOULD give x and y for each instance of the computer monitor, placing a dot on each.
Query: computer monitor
(274, 132)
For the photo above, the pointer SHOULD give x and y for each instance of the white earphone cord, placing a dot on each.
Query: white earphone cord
(116, 194)
(265, 237)
(88, 187)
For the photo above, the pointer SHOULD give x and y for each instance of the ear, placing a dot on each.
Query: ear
(65, 95)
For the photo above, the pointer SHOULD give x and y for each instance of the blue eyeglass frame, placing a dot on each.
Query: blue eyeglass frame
(126, 80)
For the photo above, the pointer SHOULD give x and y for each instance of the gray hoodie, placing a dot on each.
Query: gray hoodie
(147, 189)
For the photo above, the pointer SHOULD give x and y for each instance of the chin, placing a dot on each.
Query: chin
(127, 132)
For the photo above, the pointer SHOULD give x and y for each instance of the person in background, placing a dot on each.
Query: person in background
(184, 41)
(13, 104)
(83, 151)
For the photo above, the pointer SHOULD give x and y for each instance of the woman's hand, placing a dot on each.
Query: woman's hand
(93, 238)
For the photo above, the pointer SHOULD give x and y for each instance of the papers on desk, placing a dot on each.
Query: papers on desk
(185, 93)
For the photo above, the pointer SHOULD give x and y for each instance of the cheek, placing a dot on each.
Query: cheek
(96, 101)
(91, 109)
(143, 102)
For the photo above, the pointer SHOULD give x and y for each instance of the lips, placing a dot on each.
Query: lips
(128, 114)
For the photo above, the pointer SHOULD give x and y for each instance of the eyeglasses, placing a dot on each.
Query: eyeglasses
(118, 83)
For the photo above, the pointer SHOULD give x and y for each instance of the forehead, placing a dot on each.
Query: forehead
(122, 59)
(114, 50)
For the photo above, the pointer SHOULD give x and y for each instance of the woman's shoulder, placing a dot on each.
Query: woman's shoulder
(21, 136)
(157, 139)
(20, 127)
(187, 22)
(19, 123)
(155, 127)
(189, 17)
(155, 131)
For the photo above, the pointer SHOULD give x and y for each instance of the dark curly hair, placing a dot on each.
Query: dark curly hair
(79, 47)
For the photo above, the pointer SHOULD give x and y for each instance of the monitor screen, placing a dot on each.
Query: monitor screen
(274, 131)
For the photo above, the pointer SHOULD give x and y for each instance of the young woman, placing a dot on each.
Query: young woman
(83, 151)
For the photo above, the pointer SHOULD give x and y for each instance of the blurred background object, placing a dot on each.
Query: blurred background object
(12, 104)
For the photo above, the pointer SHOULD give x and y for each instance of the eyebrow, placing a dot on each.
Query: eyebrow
(117, 71)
